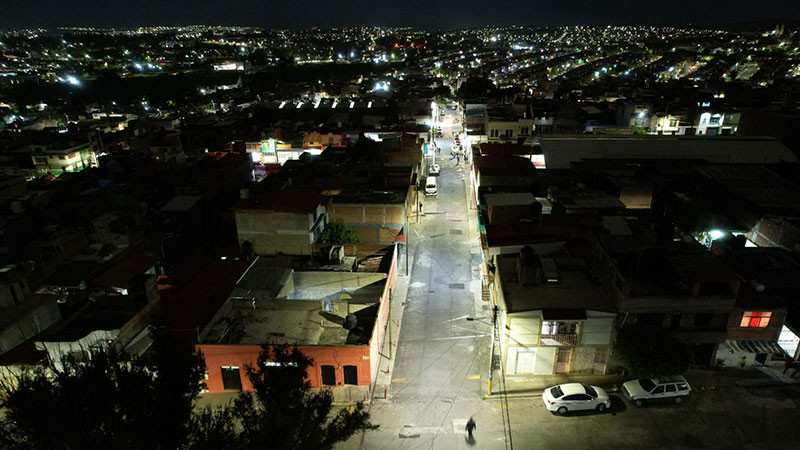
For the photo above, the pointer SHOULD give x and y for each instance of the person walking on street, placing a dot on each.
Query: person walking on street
(470, 426)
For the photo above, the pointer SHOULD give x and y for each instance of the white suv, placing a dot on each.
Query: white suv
(653, 389)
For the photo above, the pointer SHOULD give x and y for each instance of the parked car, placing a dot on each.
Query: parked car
(434, 170)
(575, 397)
(431, 187)
(656, 389)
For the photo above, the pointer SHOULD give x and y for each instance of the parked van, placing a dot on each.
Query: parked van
(430, 186)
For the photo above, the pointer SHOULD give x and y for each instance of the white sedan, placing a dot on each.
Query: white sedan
(575, 397)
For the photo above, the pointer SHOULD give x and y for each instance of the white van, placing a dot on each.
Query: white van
(430, 186)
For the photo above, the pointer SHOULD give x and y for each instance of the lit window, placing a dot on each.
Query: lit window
(755, 319)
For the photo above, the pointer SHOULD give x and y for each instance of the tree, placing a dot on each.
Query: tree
(283, 411)
(475, 87)
(337, 233)
(107, 401)
(649, 354)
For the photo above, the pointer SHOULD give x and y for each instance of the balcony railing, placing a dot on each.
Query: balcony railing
(566, 339)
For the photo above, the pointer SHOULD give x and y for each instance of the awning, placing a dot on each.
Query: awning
(746, 346)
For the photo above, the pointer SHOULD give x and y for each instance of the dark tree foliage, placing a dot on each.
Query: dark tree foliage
(285, 412)
(338, 233)
(649, 354)
(114, 402)
(477, 87)
(106, 402)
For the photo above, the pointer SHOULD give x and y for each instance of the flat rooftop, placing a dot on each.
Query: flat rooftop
(575, 290)
(278, 305)
(281, 321)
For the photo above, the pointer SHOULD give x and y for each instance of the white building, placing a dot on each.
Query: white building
(552, 318)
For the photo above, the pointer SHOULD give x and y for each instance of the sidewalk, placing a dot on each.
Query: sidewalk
(534, 385)
(713, 379)
(383, 380)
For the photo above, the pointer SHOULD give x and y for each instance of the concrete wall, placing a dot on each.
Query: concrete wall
(375, 223)
(273, 232)
(775, 232)
(57, 350)
(378, 337)
(30, 323)
(243, 355)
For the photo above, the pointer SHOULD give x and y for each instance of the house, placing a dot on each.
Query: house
(554, 319)
(759, 329)
(336, 318)
(287, 221)
(680, 288)
(119, 322)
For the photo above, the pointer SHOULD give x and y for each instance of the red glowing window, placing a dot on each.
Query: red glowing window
(755, 319)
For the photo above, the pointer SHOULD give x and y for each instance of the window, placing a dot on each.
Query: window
(495, 133)
(231, 380)
(658, 390)
(755, 319)
(328, 376)
(509, 133)
(551, 327)
(350, 375)
(671, 388)
(673, 123)
(683, 387)
(523, 130)
(573, 397)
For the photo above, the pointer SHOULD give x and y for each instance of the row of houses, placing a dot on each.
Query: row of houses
(669, 243)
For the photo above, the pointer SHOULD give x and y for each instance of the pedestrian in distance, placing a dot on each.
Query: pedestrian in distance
(470, 427)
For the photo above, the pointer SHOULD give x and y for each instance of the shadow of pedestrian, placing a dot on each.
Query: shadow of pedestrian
(470, 440)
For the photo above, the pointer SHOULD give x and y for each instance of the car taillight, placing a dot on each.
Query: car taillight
(550, 403)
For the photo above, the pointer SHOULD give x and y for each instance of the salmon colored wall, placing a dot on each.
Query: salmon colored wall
(242, 355)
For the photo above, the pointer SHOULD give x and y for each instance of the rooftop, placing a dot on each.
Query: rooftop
(289, 200)
(279, 305)
(575, 290)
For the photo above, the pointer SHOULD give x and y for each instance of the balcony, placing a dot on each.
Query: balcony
(560, 340)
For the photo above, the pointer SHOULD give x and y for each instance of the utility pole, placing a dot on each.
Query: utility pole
(406, 231)
(390, 322)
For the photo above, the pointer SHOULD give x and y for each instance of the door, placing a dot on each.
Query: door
(562, 362)
(328, 376)
(526, 360)
(350, 375)
(600, 359)
(231, 380)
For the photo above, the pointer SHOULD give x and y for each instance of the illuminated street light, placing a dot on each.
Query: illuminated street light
(716, 234)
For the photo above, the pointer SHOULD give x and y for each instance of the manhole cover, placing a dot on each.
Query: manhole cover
(456, 285)
(455, 231)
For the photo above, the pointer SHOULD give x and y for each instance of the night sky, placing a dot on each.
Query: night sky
(296, 14)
